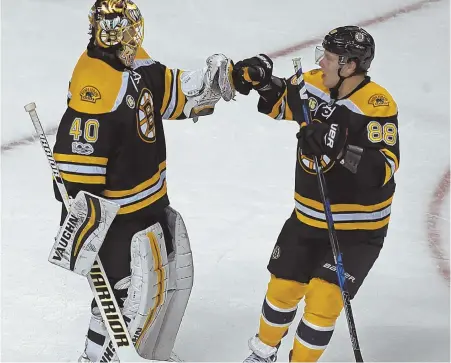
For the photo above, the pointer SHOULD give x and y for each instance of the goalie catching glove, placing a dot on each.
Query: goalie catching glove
(203, 88)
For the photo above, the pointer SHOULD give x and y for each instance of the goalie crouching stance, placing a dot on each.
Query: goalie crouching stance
(110, 143)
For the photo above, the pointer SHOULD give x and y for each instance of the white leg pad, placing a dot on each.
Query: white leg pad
(158, 289)
(159, 346)
(147, 293)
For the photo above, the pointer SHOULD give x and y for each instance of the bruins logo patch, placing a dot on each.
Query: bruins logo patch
(378, 100)
(90, 94)
(308, 164)
(145, 117)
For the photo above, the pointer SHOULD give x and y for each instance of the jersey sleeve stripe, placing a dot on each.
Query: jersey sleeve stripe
(96, 160)
(391, 164)
(276, 109)
(181, 99)
(167, 90)
(173, 96)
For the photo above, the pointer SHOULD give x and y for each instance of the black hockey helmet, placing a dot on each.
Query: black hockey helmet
(351, 43)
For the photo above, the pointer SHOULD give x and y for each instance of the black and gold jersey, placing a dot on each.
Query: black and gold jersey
(110, 141)
(361, 202)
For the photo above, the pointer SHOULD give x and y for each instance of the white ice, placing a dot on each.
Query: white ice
(231, 175)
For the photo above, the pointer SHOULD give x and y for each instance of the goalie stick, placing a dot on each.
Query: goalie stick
(330, 222)
(98, 281)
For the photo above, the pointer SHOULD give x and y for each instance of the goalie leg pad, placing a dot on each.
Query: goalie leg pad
(157, 290)
(82, 233)
(148, 285)
(158, 345)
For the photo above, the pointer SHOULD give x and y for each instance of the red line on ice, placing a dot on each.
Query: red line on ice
(434, 228)
(279, 53)
(364, 23)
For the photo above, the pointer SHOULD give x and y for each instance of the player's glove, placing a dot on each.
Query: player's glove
(319, 139)
(252, 73)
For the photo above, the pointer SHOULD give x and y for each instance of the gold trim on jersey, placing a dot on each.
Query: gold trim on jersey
(167, 90)
(371, 100)
(139, 188)
(345, 216)
(141, 195)
(391, 164)
(142, 59)
(96, 87)
(279, 107)
(82, 169)
(83, 179)
(173, 99)
(97, 160)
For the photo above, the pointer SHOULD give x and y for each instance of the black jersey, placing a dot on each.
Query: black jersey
(110, 141)
(361, 202)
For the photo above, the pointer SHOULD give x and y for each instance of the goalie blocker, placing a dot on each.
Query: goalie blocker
(82, 233)
(155, 294)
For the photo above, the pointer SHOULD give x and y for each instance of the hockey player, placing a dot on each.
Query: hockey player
(110, 142)
(355, 134)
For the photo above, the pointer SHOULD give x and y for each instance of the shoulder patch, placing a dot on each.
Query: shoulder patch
(90, 94)
(379, 100)
(374, 101)
(95, 87)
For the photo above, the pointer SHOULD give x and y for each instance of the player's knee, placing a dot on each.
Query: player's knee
(285, 293)
(323, 302)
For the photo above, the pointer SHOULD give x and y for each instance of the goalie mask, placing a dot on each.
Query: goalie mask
(117, 26)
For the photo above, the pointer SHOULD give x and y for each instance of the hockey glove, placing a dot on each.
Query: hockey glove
(252, 73)
(319, 139)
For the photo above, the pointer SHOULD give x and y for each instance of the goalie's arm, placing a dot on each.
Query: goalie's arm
(188, 94)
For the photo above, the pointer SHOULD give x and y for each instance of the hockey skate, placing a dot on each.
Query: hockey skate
(261, 352)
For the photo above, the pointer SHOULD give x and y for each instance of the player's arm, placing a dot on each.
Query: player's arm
(82, 151)
(189, 94)
(380, 157)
